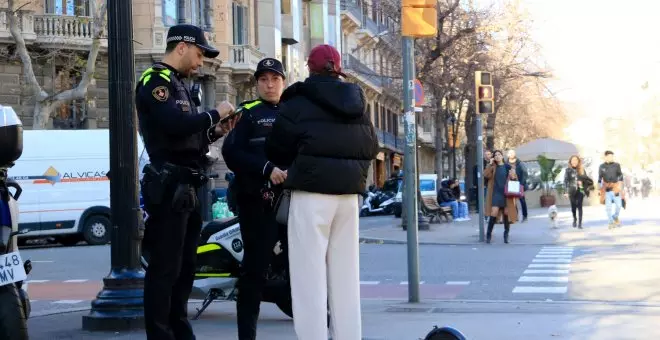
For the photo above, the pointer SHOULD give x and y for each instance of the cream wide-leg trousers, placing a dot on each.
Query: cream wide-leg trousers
(324, 260)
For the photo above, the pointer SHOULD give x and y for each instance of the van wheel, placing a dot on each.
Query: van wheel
(96, 230)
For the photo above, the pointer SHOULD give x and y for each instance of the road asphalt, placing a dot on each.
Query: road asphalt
(593, 283)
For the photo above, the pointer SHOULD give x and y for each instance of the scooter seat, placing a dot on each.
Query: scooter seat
(215, 226)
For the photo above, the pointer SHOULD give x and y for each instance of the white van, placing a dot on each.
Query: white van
(428, 184)
(66, 193)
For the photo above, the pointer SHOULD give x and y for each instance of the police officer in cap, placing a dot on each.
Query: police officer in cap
(176, 137)
(243, 152)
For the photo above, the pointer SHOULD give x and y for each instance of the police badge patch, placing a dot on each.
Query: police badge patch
(161, 93)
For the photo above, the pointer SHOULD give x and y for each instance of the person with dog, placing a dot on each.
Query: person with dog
(501, 208)
(577, 185)
(610, 179)
(256, 183)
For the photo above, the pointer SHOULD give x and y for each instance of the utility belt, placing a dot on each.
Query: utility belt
(158, 180)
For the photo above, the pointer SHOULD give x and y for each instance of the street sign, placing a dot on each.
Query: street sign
(419, 93)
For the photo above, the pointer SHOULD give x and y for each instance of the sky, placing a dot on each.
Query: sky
(601, 52)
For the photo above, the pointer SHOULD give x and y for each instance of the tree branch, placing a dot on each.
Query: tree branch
(22, 52)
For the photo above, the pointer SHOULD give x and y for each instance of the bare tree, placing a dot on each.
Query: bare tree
(45, 103)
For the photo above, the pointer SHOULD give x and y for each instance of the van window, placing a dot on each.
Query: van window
(427, 185)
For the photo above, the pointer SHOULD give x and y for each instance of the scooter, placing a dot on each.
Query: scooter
(219, 257)
(14, 301)
(377, 203)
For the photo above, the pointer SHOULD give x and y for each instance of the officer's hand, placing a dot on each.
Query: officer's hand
(277, 176)
(225, 109)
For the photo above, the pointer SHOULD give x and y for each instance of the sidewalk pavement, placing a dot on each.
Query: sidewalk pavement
(535, 231)
(398, 320)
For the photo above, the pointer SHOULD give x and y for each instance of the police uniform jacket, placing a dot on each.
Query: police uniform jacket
(172, 128)
(243, 149)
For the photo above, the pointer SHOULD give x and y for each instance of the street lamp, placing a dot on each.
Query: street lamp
(119, 305)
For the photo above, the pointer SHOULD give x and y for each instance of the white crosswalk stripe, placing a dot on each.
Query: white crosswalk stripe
(548, 273)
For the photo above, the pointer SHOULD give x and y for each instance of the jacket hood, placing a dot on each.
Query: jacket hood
(339, 98)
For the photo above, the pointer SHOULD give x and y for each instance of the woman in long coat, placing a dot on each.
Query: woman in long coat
(498, 206)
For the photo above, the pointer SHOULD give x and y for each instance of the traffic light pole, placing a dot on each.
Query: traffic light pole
(484, 104)
(410, 169)
(480, 175)
(119, 305)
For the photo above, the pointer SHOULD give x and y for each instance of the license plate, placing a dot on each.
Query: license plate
(11, 268)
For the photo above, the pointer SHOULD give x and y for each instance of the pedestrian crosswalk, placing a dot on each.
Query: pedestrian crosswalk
(548, 273)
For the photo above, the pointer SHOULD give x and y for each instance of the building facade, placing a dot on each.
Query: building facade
(58, 34)
(372, 57)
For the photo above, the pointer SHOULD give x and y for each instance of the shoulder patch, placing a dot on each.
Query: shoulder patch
(161, 93)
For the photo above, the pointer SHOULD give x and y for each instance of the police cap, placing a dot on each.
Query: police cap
(193, 35)
(269, 64)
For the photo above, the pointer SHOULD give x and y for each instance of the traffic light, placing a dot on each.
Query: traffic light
(485, 92)
(419, 18)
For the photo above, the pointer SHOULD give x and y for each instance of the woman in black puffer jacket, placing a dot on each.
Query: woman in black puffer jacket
(577, 185)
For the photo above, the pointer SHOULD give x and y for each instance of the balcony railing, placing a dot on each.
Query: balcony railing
(354, 64)
(64, 29)
(244, 57)
(51, 29)
(389, 140)
(357, 11)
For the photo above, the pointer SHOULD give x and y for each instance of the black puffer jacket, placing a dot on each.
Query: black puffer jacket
(324, 137)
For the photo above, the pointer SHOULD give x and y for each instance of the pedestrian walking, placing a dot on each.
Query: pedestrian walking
(325, 139)
(577, 185)
(521, 173)
(176, 137)
(610, 179)
(255, 186)
(500, 207)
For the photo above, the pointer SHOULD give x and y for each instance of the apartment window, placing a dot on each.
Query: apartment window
(305, 13)
(240, 24)
(285, 6)
(69, 115)
(197, 12)
(170, 12)
(68, 7)
(383, 118)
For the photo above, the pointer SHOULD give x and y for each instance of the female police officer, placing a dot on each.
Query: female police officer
(176, 138)
(243, 151)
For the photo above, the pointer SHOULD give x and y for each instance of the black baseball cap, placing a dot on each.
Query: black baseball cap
(193, 35)
(269, 64)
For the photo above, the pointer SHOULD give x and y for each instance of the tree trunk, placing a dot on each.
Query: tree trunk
(43, 103)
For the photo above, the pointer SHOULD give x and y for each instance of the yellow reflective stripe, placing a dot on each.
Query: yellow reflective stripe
(208, 247)
(212, 275)
(146, 75)
(253, 104)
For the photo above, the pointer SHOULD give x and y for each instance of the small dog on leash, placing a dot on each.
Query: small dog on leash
(552, 215)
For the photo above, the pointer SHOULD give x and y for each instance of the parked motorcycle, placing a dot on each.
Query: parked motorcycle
(377, 202)
(219, 257)
(14, 301)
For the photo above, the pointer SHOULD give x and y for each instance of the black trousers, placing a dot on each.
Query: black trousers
(523, 205)
(260, 234)
(576, 198)
(171, 239)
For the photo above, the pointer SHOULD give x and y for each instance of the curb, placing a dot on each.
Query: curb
(374, 240)
(59, 311)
